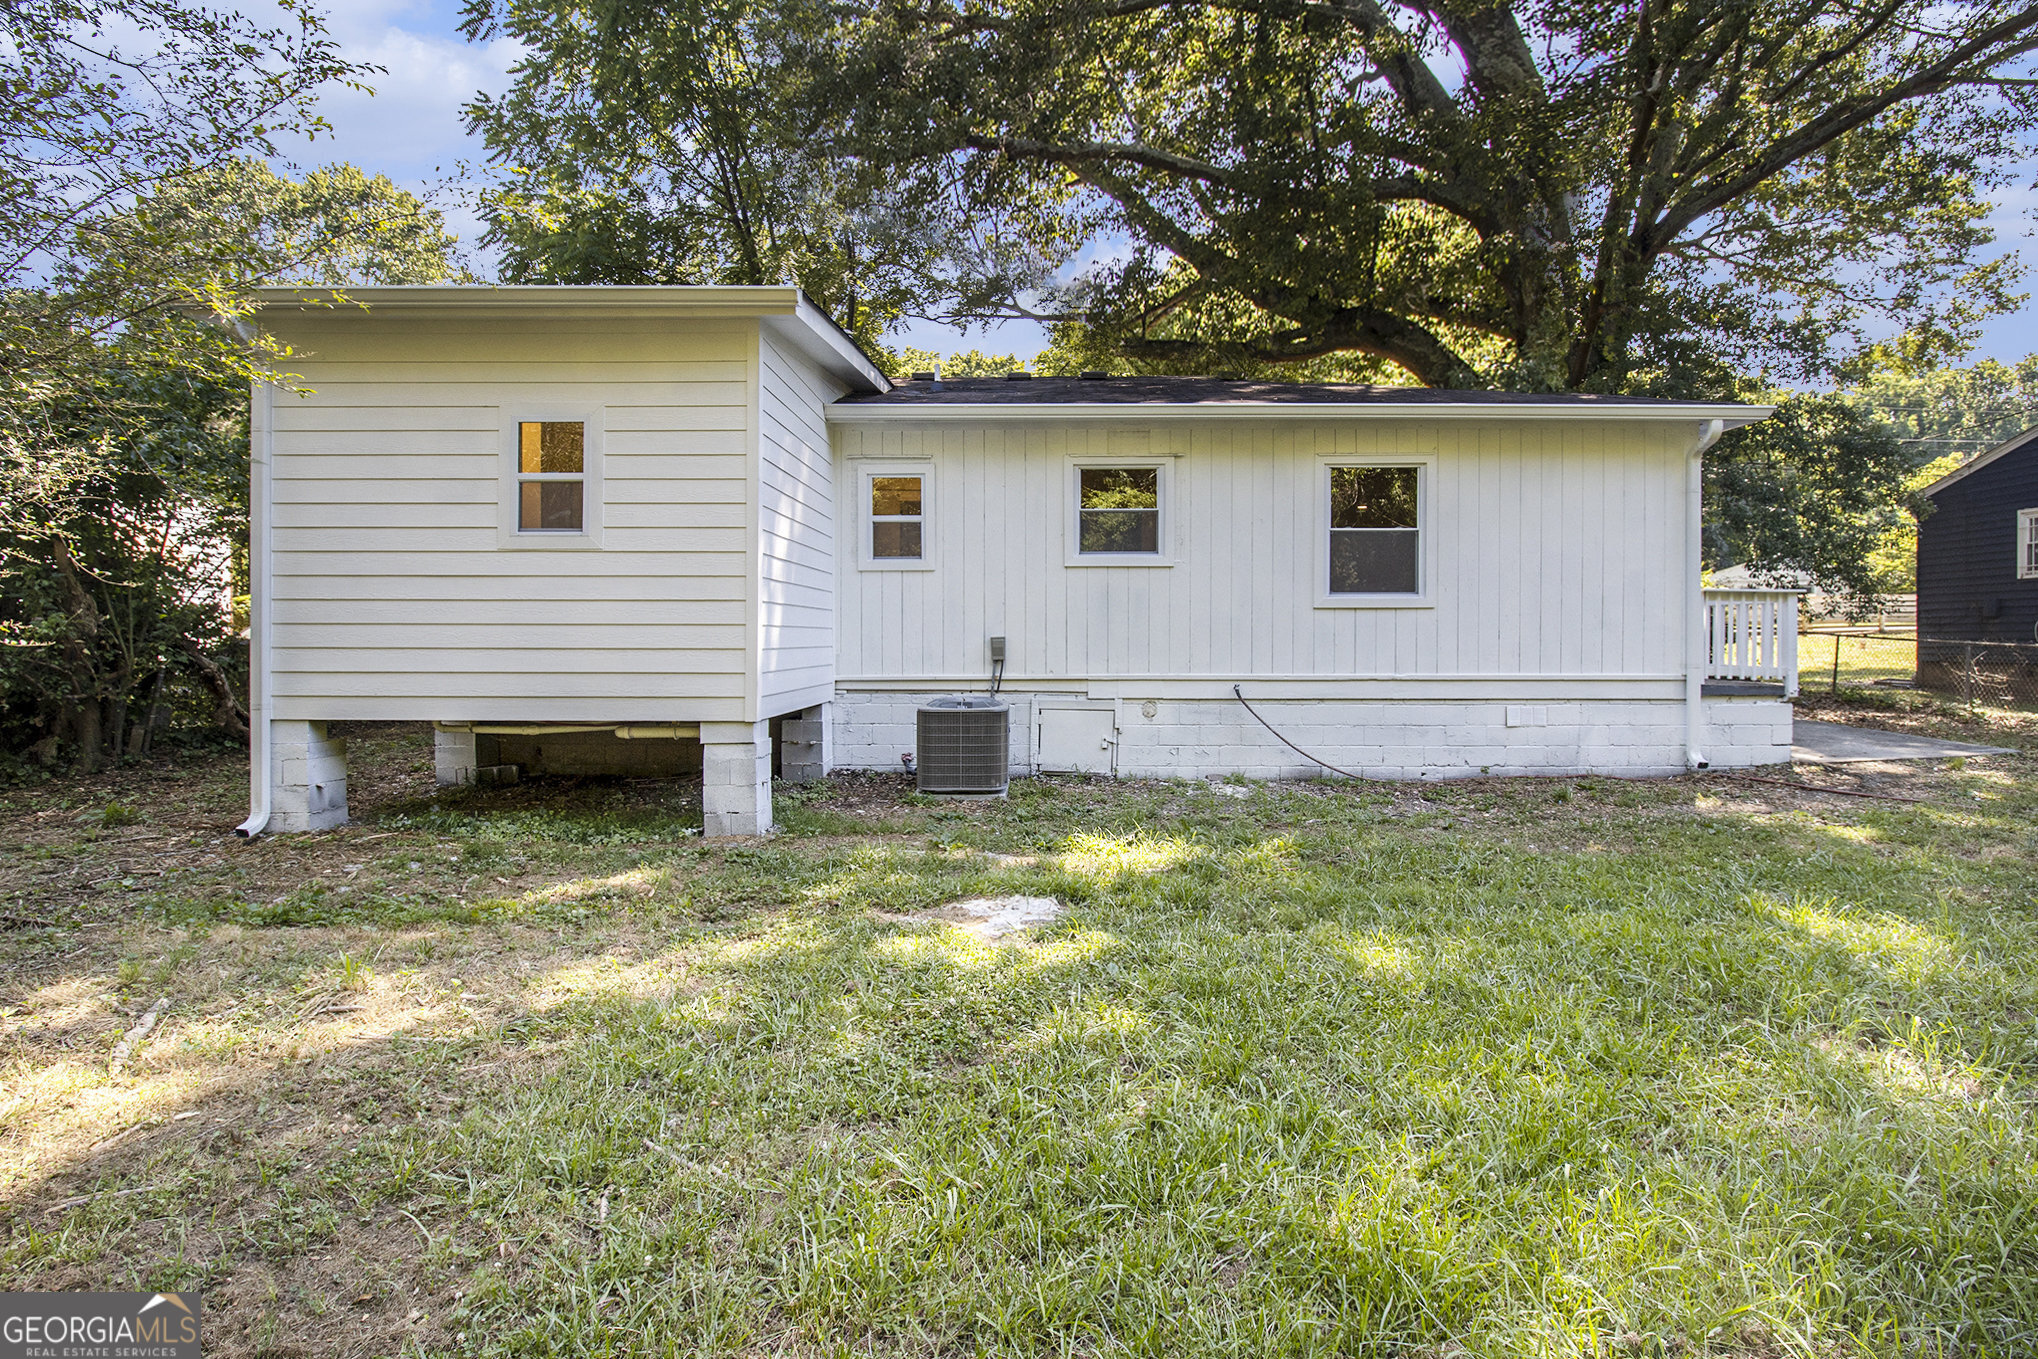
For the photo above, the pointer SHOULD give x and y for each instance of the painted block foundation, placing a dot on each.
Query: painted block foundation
(307, 777)
(1165, 738)
(735, 778)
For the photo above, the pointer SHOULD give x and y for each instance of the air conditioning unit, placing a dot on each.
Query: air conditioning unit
(964, 745)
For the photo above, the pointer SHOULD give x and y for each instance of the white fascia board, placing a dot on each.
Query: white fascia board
(550, 299)
(810, 331)
(1730, 416)
(785, 310)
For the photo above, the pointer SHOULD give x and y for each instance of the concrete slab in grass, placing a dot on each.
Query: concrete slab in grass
(1835, 743)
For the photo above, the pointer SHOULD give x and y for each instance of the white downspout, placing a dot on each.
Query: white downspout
(261, 440)
(1696, 640)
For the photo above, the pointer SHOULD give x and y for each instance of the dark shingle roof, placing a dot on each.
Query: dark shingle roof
(1195, 391)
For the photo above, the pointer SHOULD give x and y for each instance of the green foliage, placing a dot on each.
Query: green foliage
(1940, 411)
(135, 200)
(1479, 194)
(110, 106)
(1814, 490)
(645, 142)
(969, 363)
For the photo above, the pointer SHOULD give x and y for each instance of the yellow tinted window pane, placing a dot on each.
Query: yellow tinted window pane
(895, 495)
(550, 446)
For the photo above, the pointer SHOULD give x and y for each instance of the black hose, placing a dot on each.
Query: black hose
(1313, 759)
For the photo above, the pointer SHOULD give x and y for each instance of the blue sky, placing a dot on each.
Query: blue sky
(410, 130)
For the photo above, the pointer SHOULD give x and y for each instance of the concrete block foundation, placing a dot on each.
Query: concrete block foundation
(735, 778)
(804, 745)
(307, 777)
(1398, 739)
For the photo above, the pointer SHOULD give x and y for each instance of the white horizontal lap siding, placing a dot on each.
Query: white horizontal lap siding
(393, 597)
(1555, 549)
(796, 532)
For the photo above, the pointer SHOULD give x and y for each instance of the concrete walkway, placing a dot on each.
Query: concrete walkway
(1833, 743)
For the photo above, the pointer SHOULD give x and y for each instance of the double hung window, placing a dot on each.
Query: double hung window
(1375, 547)
(551, 476)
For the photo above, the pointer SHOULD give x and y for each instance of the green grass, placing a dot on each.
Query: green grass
(1571, 1067)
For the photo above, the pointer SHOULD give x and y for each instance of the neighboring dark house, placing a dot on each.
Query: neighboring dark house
(1978, 562)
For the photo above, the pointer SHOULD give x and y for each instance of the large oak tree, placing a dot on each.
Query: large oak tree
(1479, 192)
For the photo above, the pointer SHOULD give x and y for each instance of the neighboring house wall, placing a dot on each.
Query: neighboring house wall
(1552, 636)
(796, 540)
(1968, 554)
(396, 591)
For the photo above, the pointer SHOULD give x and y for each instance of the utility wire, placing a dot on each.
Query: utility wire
(1313, 759)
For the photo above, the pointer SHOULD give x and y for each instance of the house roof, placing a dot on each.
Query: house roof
(2008, 446)
(1202, 398)
(784, 311)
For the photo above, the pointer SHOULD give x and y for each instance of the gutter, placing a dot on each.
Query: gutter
(261, 442)
(1696, 638)
(880, 412)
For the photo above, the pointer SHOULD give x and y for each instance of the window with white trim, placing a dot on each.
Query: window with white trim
(1375, 531)
(2027, 544)
(898, 516)
(551, 476)
(1118, 511)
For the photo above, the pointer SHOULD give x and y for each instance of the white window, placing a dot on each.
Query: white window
(1120, 513)
(2027, 544)
(1375, 550)
(897, 529)
(551, 478)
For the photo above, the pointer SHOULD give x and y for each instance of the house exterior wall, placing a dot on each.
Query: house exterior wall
(1558, 553)
(1968, 589)
(796, 538)
(395, 593)
(1552, 637)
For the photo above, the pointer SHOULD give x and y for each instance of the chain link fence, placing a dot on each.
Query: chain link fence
(1977, 674)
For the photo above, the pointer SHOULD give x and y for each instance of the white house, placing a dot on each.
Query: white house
(676, 527)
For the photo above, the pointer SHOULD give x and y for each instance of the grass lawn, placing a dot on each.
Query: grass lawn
(1576, 1066)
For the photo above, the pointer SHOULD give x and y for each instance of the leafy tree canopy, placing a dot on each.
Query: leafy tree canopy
(1479, 193)
(107, 107)
(967, 363)
(133, 199)
(647, 142)
(1939, 412)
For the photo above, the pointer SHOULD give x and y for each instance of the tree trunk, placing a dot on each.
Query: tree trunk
(84, 631)
(85, 727)
(226, 706)
(144, 738)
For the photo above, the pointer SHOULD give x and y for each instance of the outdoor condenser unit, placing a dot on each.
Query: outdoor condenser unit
(964, 745)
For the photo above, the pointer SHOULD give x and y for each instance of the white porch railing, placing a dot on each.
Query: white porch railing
(1752, 635)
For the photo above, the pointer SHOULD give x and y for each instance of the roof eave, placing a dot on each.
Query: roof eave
(785, 310)
(852, 412)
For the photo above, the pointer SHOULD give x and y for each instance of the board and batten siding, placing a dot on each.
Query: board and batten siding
(1559, 557)
(1968, 584)
(391, 596)
(796, 532)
